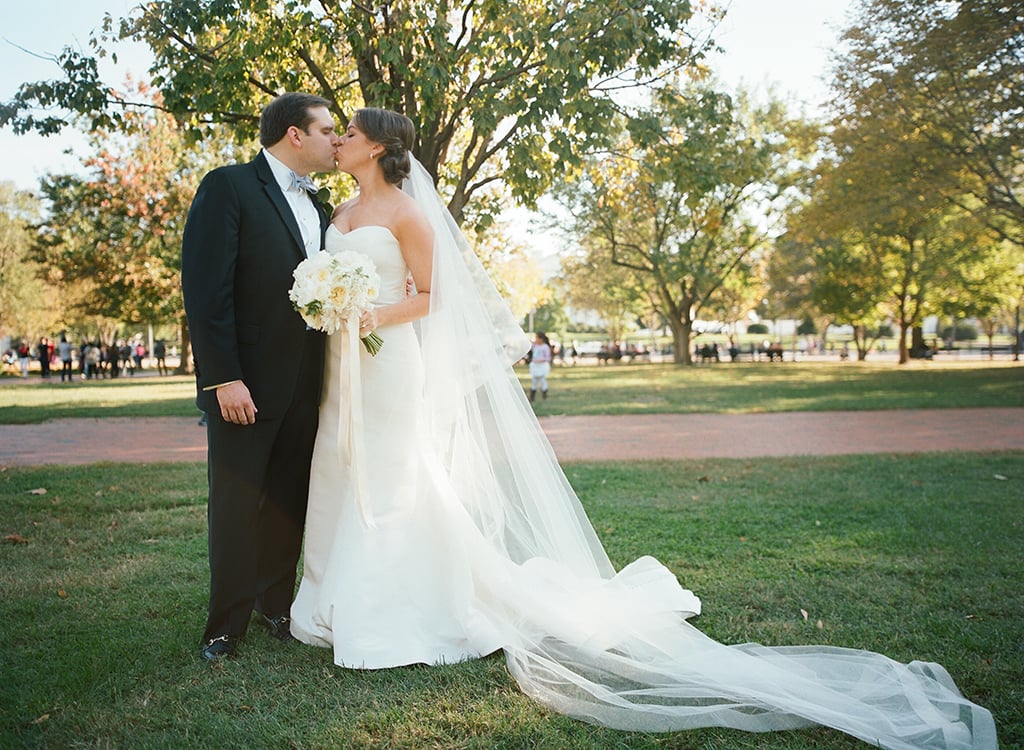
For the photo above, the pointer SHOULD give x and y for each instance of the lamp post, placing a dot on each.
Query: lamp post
(1016, 334)
(1016, 319)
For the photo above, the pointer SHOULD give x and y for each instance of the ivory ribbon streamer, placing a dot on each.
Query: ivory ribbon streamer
(355, 427)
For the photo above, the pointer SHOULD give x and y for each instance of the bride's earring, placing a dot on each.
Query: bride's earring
(372, 154)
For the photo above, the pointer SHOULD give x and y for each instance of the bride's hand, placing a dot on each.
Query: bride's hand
(367, 322)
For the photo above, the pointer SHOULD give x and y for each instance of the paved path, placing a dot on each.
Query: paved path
(585, 438)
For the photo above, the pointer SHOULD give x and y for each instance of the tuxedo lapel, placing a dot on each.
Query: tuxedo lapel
(273, 191)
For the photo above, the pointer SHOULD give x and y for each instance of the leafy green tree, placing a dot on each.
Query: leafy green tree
(593, 283)
(791, 274)
(29, 306)
(948, 74)
(985, 286)
(741, 292)
(679, 204)
(888, 197)
(115, 233)
(498, 91)
(852, 291)
(552, 317)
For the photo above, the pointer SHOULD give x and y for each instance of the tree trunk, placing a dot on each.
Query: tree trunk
(917, 341)
(681, 342)
(185, 365)
(904, 352)
(860, 337)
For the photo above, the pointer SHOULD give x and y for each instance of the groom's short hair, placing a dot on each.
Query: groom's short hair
(287, 110)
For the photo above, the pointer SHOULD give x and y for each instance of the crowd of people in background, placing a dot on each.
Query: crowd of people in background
(87, 360)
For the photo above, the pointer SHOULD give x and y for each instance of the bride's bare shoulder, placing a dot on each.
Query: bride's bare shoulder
(410, 219)
(343, 208)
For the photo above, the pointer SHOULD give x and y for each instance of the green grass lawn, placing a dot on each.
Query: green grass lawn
(40, 401)
(612, 389)
(104, 589)
(789, 386)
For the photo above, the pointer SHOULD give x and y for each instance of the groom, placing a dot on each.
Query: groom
(258, 367)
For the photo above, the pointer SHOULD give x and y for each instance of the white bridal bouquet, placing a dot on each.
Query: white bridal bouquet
(331, 288)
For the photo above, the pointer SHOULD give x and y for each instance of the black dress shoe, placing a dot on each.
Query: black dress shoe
(217, 648)
(279, 627)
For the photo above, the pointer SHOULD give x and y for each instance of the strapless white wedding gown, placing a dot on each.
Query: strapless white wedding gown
(404, 563)
(402, 575)
(397, 591)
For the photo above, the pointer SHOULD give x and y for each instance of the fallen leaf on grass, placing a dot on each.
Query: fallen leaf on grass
(40, 719)
(804, 613)
(821, 625)
(1000, 477)
(15, 539)
(62, 593)
(38, 491)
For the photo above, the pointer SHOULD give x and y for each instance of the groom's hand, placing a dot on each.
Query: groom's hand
(236, 404)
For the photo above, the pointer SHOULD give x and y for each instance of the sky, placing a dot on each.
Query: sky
(778, 44)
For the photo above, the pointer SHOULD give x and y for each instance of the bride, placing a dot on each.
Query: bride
(441, 528)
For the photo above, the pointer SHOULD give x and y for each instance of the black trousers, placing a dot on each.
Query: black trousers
(259, 484)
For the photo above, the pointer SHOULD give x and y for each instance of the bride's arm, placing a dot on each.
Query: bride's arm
(416, 239)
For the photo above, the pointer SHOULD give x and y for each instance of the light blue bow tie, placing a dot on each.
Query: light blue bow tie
(303, 183)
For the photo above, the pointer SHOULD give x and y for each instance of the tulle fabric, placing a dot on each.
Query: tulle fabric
(611, 648)
(615, 649)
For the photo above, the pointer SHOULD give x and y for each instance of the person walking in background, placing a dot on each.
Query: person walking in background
(43, 352)
(138, 353)
(160, 353)
(126, 357)
(103, 368)
(91, 358)
(258, 366)
(64, 354)
(114, 358)
(24, 354)
(540, 365)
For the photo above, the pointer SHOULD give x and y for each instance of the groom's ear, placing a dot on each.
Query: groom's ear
(294, 135)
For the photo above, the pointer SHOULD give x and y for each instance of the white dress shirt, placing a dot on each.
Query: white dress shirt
(301, 203)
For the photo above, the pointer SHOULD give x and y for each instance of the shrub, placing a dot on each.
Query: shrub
(807, 327)
(964, 332)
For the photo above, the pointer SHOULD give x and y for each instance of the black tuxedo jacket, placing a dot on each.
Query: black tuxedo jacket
(240, 245)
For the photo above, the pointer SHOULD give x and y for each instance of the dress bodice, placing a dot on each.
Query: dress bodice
(380, 246)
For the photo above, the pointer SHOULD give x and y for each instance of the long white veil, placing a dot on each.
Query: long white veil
(615, 648)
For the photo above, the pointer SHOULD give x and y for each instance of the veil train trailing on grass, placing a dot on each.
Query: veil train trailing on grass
(487, 547)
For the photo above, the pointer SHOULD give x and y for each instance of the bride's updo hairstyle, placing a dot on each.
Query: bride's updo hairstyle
(395, 133)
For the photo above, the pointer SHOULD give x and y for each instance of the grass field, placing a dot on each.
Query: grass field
(779, 387)
(103, 573)
(613, 389)
(104, 588)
